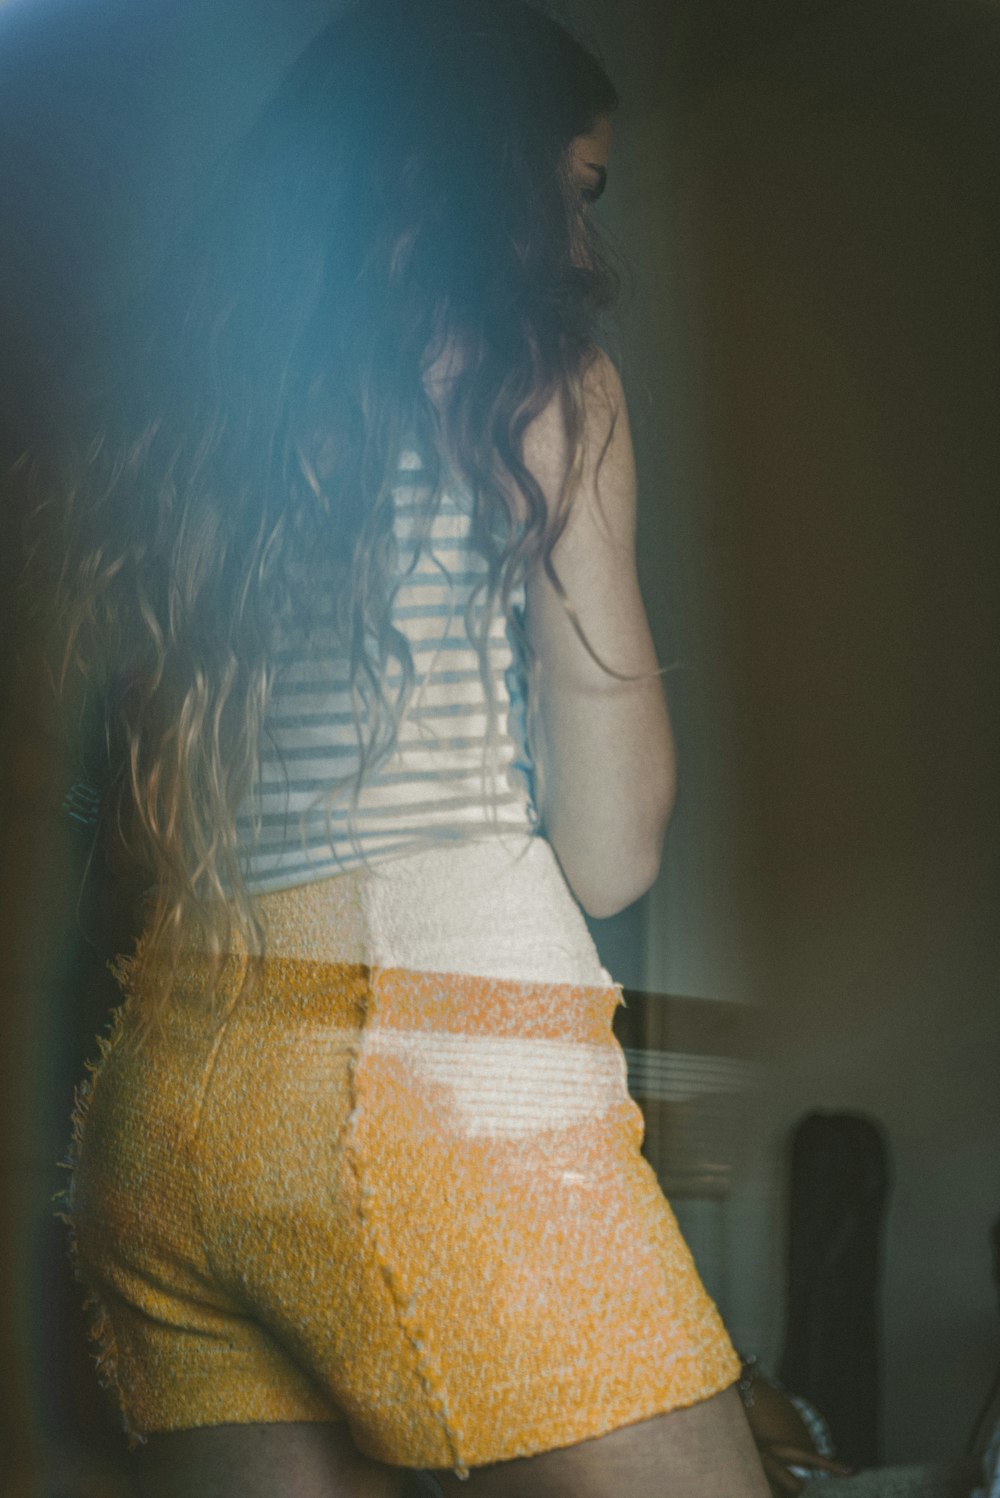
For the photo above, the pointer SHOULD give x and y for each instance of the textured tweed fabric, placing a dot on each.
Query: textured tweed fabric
(409, 1199)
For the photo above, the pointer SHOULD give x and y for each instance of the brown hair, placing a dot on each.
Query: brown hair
(405, 191)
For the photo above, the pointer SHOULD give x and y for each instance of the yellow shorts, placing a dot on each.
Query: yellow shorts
(409, 1200)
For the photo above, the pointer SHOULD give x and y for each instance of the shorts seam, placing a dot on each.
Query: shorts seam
(404, 1303)
(578, 1424)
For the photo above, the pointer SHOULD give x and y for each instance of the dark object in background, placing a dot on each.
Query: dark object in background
(988, 1415)
(832, 1353)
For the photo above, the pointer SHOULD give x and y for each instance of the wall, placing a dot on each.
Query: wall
(813, 218)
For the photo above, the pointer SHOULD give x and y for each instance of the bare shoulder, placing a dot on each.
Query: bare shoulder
(603, 391)
(606, 459)
(604, 407)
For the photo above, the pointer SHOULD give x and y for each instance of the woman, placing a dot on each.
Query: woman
(357, 1185)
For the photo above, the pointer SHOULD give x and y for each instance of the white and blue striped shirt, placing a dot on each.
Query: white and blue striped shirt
(439, 783)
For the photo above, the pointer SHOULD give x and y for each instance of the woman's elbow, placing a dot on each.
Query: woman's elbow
(622, 866)
(602, 900)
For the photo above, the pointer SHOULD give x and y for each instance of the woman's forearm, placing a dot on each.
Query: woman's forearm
(603, 743)
(606, 757)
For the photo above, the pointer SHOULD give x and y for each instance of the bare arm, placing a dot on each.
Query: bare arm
(604, 745)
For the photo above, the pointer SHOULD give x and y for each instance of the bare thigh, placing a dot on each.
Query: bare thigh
(298, 1460)
(702, 1452)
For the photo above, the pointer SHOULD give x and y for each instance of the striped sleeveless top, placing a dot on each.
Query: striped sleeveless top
(439, 784)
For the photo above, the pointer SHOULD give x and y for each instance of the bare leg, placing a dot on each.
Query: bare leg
(261, 1461)
(702, 1452)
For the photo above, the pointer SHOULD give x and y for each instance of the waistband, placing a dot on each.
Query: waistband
(498, 908)
(292, 995)
(480, 938)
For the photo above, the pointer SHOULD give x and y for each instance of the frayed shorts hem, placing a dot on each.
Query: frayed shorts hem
(576, 1422)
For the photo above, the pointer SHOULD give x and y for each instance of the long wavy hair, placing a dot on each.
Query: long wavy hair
(406, 192)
